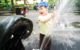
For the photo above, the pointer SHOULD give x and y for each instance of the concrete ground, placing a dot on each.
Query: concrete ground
(33, 41)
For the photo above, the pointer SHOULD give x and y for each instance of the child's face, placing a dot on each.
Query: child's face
(42, 10)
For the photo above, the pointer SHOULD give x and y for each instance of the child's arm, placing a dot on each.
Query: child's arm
(47, 19)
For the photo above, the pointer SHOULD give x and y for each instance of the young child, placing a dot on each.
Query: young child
(45, 20)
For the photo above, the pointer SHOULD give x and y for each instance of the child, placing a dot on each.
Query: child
(45, 22)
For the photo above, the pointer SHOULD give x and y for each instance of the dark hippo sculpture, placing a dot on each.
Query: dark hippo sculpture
(12, 30)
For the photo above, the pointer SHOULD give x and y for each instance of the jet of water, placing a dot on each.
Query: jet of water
(66, 37)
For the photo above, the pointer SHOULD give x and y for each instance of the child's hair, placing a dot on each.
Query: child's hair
(44, 6)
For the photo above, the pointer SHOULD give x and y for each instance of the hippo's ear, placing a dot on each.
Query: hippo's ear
(19, 27)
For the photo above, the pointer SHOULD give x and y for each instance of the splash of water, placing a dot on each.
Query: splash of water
(58, 10)
(66, 38)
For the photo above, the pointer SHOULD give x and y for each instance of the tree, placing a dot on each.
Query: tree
(25, 2)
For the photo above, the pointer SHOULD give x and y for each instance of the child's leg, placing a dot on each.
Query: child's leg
(41, 39)
(46, 43)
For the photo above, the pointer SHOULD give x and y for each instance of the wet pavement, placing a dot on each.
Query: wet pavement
(61, 39)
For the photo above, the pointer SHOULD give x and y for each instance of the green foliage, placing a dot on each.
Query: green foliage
(78, 4)
(52, 1)
(5, 4)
